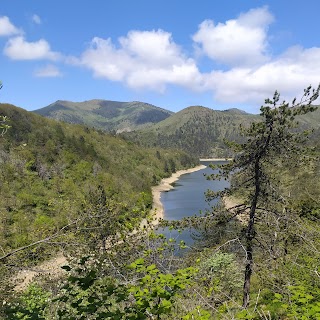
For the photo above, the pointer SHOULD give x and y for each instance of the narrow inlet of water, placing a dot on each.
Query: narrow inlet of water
(188, 199)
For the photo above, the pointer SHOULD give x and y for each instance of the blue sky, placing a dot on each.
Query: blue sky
(173, 54)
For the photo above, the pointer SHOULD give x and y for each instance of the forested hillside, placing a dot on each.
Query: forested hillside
(256, 254)
(197, 130)
(52, 173)
(202, 131)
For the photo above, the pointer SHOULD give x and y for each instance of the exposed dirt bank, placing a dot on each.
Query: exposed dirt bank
(165, 185)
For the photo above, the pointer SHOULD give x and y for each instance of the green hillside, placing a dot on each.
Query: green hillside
(53, 172)
(83, 192)
(196, 130)
(201, 131)
(105, 115)
(310, 120)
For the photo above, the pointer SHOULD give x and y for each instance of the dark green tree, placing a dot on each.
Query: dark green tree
(3, 121)
(271, 144)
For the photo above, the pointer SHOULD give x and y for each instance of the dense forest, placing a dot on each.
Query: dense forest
(85, 192)
(202, 131)
(196, 130)
(54, 174)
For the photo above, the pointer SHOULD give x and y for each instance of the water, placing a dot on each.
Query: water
(188, 199)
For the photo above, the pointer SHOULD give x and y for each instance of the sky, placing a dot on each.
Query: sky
(170, 53)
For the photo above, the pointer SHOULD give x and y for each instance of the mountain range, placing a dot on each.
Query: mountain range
(105, 114)
(198, 130)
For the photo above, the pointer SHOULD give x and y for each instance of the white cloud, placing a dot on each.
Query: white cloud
(105, 60)
(19, 49)
(49, 71)
(7, 28)
(241, 41)
(36, 19)
(152, 47)
(152, 60)
(143, 59)
(289, 74)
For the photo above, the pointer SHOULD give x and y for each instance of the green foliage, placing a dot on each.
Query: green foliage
(106, 287)
(270, 145)
(4, 125)
(51, 173)
(301, 303)
(150, 293)
(198, 314)
(156, 291)
(32, 304)
(220, 275)
(196, 130)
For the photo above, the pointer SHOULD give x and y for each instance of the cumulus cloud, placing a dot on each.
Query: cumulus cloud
(152, 47)
(289, 74)
(241, 41)
(142, 59)
(250, 73)
(18, 48)
(49, 71)
(7, 28)
(36, 19)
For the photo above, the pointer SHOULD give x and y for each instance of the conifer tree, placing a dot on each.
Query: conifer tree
(3, 121)
(274, 142)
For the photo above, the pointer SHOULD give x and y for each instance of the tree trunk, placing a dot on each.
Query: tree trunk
(250, 235)
(247, 275)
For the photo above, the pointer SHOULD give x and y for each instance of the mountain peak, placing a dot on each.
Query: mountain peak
(236, 111)
(106, 114)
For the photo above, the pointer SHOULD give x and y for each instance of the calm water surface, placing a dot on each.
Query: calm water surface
(188, 198)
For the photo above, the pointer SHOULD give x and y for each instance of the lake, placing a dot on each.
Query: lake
(188, 198)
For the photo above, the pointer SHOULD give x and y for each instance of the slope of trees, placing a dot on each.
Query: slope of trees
(53, 174)
(256, 260)
(196, 130)
(202, 131)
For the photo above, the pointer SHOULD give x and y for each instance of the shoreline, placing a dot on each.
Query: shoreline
(53, 266)
(157, 211)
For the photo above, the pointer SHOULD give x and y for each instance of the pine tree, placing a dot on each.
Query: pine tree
(274, 142)
(3, 121)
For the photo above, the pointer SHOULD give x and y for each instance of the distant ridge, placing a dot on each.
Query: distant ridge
(197, 130)
(106, 114)
(201, 131)
(235, 111)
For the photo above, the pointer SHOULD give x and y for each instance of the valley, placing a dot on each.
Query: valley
(159, 160)
(83, 198)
